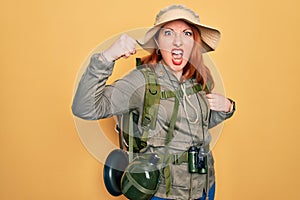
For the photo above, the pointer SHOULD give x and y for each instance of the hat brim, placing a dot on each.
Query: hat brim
(210, 37)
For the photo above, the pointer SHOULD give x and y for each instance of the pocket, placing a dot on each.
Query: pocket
(180, 175)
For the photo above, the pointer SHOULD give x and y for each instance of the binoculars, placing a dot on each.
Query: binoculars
(197, 160)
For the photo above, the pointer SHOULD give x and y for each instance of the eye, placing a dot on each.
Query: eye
(188, 33)
(168, 33)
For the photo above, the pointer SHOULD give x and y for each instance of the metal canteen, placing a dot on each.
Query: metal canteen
(114, 167)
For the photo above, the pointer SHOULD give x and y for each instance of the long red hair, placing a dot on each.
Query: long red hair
(195, 68)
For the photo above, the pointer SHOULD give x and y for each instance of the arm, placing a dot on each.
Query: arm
(90, 89)
(94, 99)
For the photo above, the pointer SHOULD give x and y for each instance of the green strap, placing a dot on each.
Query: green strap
(133, 182)
(128, 131)
(170, 94)
(151, 98)
(151, 103)
(167, 174)
(131, 138)
(177, 159)
(172, 122)
(138, 62)
(144, 138)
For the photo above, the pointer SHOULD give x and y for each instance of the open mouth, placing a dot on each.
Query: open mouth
(177, 56)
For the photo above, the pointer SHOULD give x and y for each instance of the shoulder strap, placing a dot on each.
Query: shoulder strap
(151, 98)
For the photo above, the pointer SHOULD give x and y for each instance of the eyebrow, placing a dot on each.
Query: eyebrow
(189, 29)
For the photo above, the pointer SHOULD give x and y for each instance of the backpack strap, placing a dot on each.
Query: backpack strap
(151, 103)
(151, 98)
(190, 90)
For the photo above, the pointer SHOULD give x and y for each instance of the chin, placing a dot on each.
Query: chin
(178, 66)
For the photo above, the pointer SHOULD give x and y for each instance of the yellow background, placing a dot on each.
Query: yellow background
(43, 44)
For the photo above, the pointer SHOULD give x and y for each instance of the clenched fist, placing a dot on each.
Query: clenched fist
(124, 46)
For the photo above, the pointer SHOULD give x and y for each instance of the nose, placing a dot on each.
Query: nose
(177, 40)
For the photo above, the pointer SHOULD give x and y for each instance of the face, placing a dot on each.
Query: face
(176, 41)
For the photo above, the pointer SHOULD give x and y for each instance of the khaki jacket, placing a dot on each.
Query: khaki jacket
(95, 100)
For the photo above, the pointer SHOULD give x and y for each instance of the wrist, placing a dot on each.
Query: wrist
(231, 106)
(105, 58)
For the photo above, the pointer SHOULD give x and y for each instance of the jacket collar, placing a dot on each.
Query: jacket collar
(165, 73)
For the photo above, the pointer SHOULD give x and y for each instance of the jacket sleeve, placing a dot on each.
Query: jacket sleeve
(94, 99)
(217, 117)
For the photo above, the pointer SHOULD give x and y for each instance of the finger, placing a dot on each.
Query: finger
(210, 96)
(126, 54)
(212, 101)
(211, 107)
(211, 104)
(132, 51)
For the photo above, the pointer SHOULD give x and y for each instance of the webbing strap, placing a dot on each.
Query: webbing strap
(128, 131)
(131, 138)
(144, 138)
(170, 94)
(168, 178)
(151, 99)
(151, 103)
(172, 122)
(177, 159)
(207, 185)
(133, 182)
(167, 173)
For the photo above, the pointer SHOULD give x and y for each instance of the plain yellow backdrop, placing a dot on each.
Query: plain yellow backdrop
(43, 44)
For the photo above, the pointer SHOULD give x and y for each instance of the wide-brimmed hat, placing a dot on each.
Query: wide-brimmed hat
(210, 37)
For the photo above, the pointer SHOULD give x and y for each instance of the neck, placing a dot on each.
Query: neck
(177, 74)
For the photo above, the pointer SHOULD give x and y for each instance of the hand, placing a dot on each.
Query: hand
(124, 46)
(218, 102)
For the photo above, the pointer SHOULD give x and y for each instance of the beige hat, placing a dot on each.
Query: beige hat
(209, 36)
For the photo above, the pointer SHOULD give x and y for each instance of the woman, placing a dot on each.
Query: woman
(176, 43)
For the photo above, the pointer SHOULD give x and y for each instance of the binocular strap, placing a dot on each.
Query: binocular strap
(207, 185)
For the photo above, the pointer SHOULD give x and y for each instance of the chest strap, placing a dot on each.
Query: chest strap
(190, 90)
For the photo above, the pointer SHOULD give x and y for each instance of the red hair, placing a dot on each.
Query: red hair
(195, 68)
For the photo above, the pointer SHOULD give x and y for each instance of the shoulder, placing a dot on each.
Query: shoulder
(144, 72)
(135, 75)
(134, 79)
